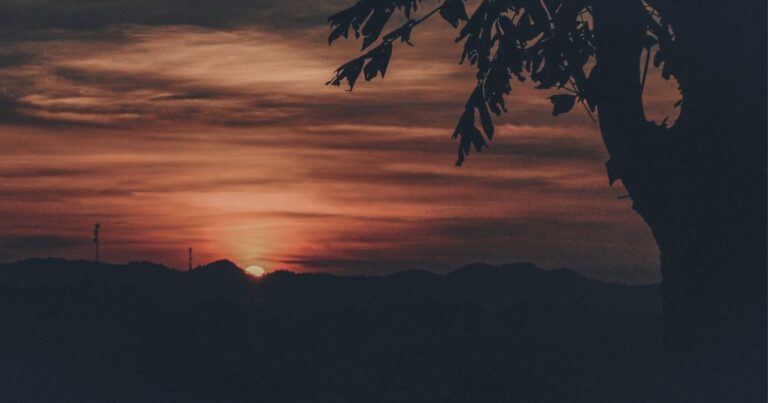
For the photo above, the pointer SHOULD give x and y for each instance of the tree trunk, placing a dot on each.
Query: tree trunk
(700, 186)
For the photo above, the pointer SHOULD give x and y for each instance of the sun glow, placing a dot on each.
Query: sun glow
(255, 271)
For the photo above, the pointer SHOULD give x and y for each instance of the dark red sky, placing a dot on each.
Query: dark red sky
(176, 126)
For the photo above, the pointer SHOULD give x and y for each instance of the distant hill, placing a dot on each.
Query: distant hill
(78, 331)
(218, 280)
(480, 284)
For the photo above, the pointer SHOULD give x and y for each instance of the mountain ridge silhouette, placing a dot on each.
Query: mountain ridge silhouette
(478, 283)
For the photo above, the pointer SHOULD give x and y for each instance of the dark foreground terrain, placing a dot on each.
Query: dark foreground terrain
(81, 331)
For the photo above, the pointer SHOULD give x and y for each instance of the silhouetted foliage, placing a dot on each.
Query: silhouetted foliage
(551, 42)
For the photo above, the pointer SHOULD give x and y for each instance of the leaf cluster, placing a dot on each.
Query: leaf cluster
(550, 42)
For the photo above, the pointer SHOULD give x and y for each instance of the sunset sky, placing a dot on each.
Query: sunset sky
(207, 124)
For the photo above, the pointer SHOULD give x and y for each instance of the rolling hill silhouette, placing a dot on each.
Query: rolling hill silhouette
(82, 331)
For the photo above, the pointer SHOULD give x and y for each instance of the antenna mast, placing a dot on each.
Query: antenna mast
(190, 258)
(96, 229)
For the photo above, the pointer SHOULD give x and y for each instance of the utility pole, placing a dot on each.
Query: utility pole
(96, 229)
(190, 258)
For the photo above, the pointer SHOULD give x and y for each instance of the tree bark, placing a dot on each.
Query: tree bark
(700, 186)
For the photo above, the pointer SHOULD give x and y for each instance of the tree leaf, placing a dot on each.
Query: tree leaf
(403, 33)
(375, 24)
(485, 117)
(379, 60)
(350, 71)
(469, 136)
(562, 103)
(351, 17)
(453, 11)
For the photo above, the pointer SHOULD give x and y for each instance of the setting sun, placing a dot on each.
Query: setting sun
(255, 271)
